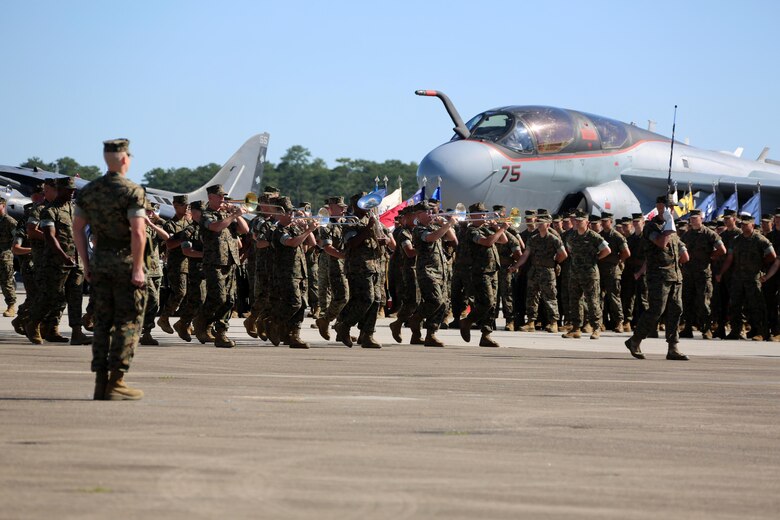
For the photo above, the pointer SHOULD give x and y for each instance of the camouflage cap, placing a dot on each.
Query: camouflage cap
(423, 205)
(556, 218)
(720, 222)
(695, 213)
(606, 215)
(196, 205)
(215, 189)
(746, 218)
(270, 189)
(637, 216)
(580, 215)
(285, 203)
(50, 181)
(498, 207)
(766, 217)
(68, 183)
(337, 201)
(2, 201)
(594, 218)
(303, 204)
(180, 199)
(729, 213)
(116, 145)
(777, 212)
(530, 213)
(544, 218)
(477, 207)
(38, 188)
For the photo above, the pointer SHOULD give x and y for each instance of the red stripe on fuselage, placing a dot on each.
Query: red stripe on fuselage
(552, 157)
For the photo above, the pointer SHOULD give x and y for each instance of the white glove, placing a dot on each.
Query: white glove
(669, 222)
(668, 215)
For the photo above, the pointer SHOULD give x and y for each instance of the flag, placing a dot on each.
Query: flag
(687, 205)
(753, 206)
(390, 201)
(417, 197)
(388, 217)
(731, 203)
(708, 207)
(437, 193)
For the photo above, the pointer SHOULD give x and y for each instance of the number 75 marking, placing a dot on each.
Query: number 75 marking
(512, 171)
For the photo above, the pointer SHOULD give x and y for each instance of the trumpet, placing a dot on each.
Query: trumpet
(249, 202)
(324, 217)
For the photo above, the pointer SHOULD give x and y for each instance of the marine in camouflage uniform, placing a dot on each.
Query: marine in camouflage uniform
(74, 283)
(221, 226)
(323, 284)
(634, 289)
(409, 293)
(665, 252)
(461, 293)
(507, 253)
(290, 276)
(7, 235)
(312, 260)
(484, 274)
(23, 252)
(188, 239)
(585, 247)
(155, 235)
(35, 239)
(544, 250)
(332, 243)
(611, 271)
(770, 287)
(429, 270)
(521, 279)
(363, 242)
(113, 206)
(177, 265)
(746, 257)
(721, 288)
(565, 305)
(703, 246)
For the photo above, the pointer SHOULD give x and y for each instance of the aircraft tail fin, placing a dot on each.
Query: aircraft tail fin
(764, 154)
(242, 173)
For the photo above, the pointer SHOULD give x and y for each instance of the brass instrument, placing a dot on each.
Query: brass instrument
(371, 203)
(324, 217)
(249, 202)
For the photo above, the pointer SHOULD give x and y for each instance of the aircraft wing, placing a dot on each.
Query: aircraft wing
(648, 184)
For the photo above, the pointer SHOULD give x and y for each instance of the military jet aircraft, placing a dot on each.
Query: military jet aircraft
(545, 157)
(241, 174)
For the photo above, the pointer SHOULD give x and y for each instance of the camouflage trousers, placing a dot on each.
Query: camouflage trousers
(177, 283)
(769, 290)
(541, 288)
(662, 297)
(633, 296)
(312, 292)
(409, 295)
(745, 291)
(7, 281)
(461, 293)
(609, 276)
(323, 284)
(447, 288)
(432, 307)
(196, 295)
(51, 301)
(485, 287)
(291, 305)
(340, 289)
(585, 285)
(30, 287)
(563, 293)
(505, 298)
(696, 297)
(363, 305)
(152, 301)
(220, 295)
(74, 294)
(119, 310)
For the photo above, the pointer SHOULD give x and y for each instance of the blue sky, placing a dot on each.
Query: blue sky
(189, 82)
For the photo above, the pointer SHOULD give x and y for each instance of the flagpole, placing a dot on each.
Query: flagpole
(400, 183)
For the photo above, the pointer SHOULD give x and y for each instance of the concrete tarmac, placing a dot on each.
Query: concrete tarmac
(542, 428)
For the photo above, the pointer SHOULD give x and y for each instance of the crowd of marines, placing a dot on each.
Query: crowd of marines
(573, 273)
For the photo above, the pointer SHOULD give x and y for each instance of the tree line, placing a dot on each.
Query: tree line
(298, 174)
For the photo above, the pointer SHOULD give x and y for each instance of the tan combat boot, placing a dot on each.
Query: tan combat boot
(487, 341)
(342, 334)
(250, 324)
(395, 329)
(626, 326)
(587, 329)
(200, 330)
(322, 327)
(182, 328)
(101, 381)
(510, 326)
(369, 341)
(51, 333)
(574, 333)
(117, 389)
(33, 330)
(295, 339)
(10, 312)
(675, 355)
(528, 327)
(164, 323)
(79, 338)
(596, 334)
(618, 328)
(552, 328)
(431, 340)
(222, 341)
(147, 339)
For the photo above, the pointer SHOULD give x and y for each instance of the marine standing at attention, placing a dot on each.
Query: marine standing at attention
(113, 206)
(7, 234)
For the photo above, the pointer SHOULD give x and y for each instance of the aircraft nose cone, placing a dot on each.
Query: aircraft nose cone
(465, 168)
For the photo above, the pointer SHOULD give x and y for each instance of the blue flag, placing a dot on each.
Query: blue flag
(753, 206)
(731, 203)
(417, 197)
(708, 207)
(437, 194)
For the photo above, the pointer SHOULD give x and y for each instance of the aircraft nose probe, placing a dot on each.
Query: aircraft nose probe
(460, 128)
